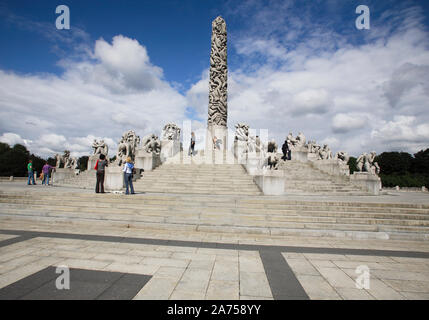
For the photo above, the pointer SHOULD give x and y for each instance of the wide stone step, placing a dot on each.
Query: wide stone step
(204, 215)
(227, 201)
(316, 229)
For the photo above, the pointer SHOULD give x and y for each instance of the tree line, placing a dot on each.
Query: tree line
(14, 160)
(401, 168)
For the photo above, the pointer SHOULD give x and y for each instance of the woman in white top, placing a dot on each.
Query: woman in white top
(128, 175)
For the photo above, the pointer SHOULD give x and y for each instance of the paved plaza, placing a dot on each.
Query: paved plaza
(192, 264)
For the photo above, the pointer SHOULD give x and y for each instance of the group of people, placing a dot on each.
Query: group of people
(46, 173)
(128, 170)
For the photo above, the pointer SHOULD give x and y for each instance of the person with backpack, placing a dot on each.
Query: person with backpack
(129, 170)
(100, 166)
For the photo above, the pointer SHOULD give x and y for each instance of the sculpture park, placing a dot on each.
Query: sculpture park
(243, 216)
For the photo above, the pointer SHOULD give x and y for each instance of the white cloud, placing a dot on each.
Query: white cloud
(12, 139)
(345, 122)
(113, 90)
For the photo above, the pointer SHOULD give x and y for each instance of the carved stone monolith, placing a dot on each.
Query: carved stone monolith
(218, 107)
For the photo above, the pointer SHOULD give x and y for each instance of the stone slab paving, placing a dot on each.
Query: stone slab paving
(189, 269)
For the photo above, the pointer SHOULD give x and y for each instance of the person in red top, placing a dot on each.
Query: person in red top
(100, 166)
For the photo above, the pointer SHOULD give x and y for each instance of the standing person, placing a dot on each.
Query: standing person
(30, 172)
(192, 146)
(285, 150)
(128, 175)
(46, 170)
(100, 166)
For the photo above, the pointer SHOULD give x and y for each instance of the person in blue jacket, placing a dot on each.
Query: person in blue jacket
(128, 175)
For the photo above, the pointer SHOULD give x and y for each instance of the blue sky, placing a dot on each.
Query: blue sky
(293, 66)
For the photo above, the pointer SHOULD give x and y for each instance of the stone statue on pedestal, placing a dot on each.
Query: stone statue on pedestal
(127, 147)
(365, 163)
(151, 144)
(343, 156)
(100, 147)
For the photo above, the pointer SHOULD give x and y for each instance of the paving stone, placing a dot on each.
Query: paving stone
(225, 270)
(118, 258)
(369, 258)
(193, 256)
(250, 264)
(254, 284)
(26, 270)
(157, 289)
(254, 298)
(322, 256)
(84, 264)
(132, 268)
(202, 264)
(16, 263)
(318, 288)
(401, 275)
(408, 285)
(222, 290)
(337, 278)
(415, 295)
(302, 266)
(194, 280)
(169, 272)
(354, 294)
(382, 291)
(165, 262)
(187, 295)
(323, 263)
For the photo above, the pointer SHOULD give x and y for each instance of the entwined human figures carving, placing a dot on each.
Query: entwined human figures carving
(217, 111)
(68, 161)
(100, 147)
(127, 147)
(366, 163)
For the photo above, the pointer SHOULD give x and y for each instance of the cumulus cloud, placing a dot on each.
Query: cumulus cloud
(345, 122)
(114, 89)
(348, 89)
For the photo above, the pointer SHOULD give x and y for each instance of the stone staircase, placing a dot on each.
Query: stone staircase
(216, 179)
(303, 178)
(262, 215)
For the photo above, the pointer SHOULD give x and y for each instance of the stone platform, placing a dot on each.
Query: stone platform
(146, 235)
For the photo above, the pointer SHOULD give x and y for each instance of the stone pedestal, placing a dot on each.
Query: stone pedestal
(367, 180)
(299, 154)
(113, 178)
(240, 151)
(147, 161)
(169, 148)
(61, 174)
(271, 182)
(333, 167)
(220, 132)
(253, 164)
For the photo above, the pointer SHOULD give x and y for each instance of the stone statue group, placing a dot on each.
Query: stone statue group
(128, 145)
(273, 160)
(66, 160)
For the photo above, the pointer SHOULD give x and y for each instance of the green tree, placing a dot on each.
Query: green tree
(83, 163)
(394, 162)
